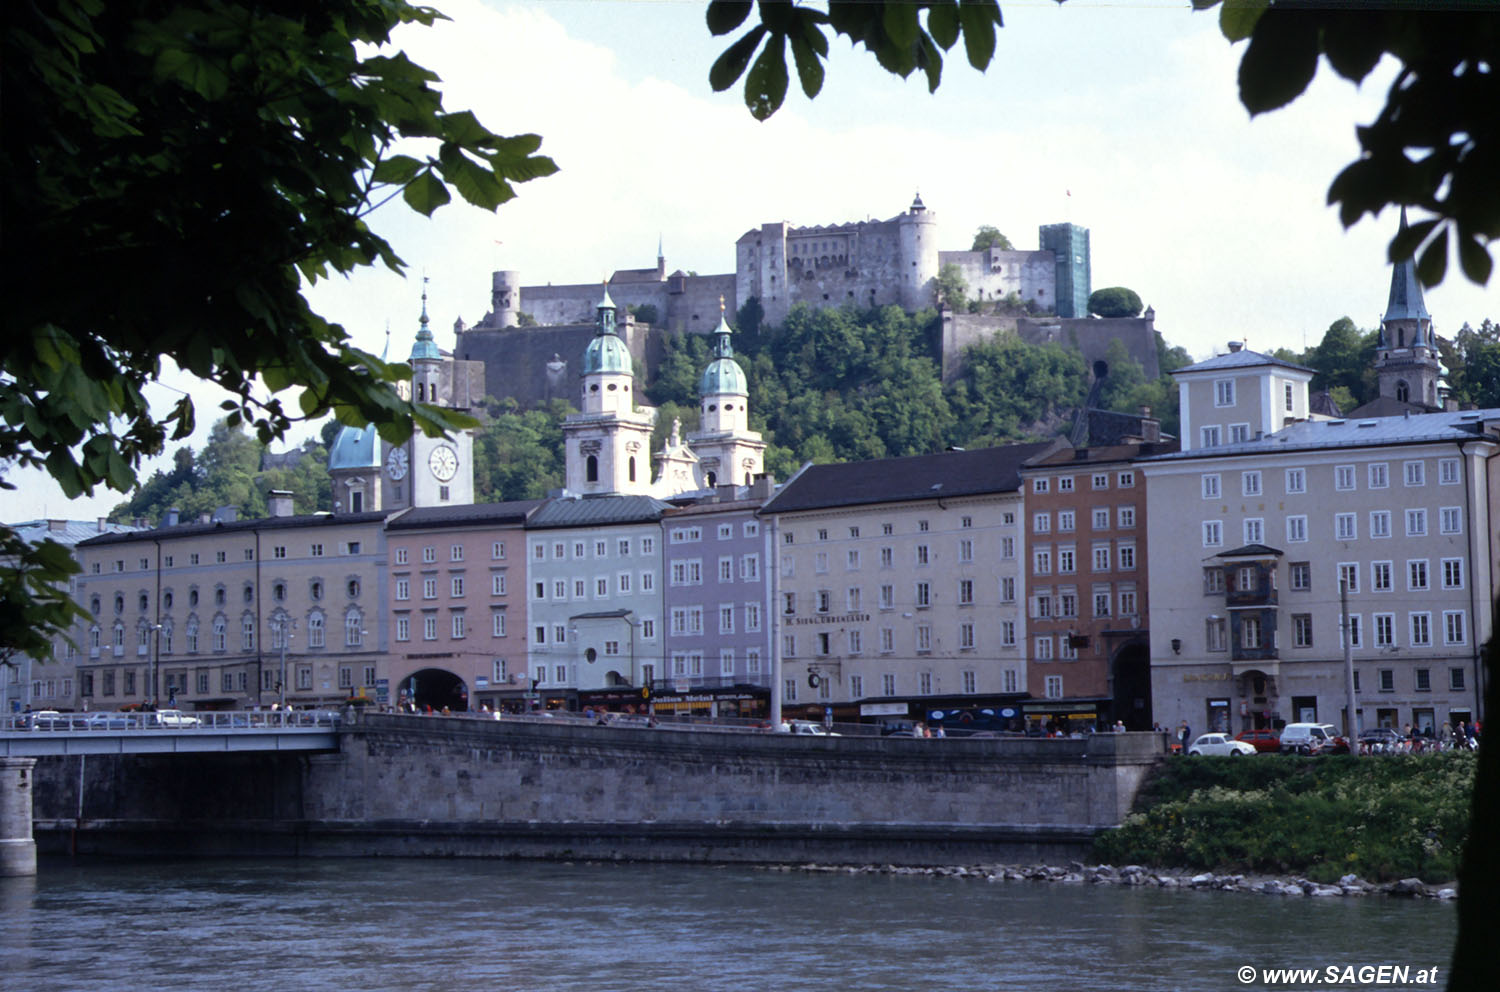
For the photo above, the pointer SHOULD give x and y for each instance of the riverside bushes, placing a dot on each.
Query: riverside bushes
(1381, 817)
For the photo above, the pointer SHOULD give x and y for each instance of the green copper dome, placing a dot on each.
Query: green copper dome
(723, 374)
(425, 347)
(607, 353)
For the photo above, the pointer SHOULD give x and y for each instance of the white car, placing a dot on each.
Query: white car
(1221, 745)
(174, 719)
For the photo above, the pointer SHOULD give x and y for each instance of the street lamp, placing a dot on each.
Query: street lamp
(283, 625)
(155, 629)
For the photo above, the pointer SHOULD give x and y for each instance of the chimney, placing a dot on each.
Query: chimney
(53, 526)
(102, 522)
(279, 503)
(1236, 345)
(171, 517)
(226, 515)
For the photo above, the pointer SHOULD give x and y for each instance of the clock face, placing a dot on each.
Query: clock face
(443, 462)
(396, 464)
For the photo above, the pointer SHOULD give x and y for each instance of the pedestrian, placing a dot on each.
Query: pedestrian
(1185, 735)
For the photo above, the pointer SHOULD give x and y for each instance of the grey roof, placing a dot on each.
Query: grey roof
(234, 526)
(512, 512)
(1250, 551)
(1242, 359)
(67, 532)
(596, 511)
(1417, 428)
(892, 480)
(355, 447)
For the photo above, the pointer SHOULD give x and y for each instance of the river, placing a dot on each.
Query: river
(541, 926)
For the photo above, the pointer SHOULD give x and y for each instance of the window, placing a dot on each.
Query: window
(353, 548)
(1456, 679)
(1415, 473)
(1054, 687)
(965, 550)
(1100, 480)
(924, 638)
(1255, 531)
(1066, 559)
(1239, 433)
(1007, 589)
(1208, 437)
(1421, 629)
(1126, 555)
(1380, 523)
(1380, 576)
(1041, 523)
(856, 642)
(1067, 603)
(1250, 632)
(403, 589)
(825, 601)
(820, 562)
(457, 586)
(851, 561)
(1385, 629)
(752, 617)
(1343, 477)
(1043, 648)
(1126, 480)
(1422, 679)
(887, 597)
(1416, 523)
(1302, 635)
(1101, 557)
(1213, 634)
(1416, 574)
(1065, 484)
(1213, 533)
(1128, 605)
(1354, 638)
(1213, 581)
(1379, 476)
(1453, 627)
(1287, 395)
(1453, 573)
(887, 640)
(429, 588)
(924, 595)
(1101, 602)
(1042, 562)
(1101, 518)
(1344, 528)
(1223, 392)
(1250, 483)
(1447, 471)
(965, 592)
(1008, 635)
(922, 558)
(1007, 548)
(497, 552)
(497, 624)
(315, 631)
(1450, 520)
(1387, 677)
(1066, 521)
(1349, 576)
(458, 625)
(1296, 529)
(1041, 485)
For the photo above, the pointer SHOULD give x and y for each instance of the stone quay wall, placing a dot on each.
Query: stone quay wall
(449, 787)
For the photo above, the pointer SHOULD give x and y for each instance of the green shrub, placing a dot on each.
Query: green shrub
(1380, 818)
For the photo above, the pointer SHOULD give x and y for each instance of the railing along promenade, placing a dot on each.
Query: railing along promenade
(47, 734)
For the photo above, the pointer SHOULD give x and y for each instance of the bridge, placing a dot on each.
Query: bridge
(41, 735)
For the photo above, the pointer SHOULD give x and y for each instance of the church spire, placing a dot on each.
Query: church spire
(425, 347)
(1406, 306)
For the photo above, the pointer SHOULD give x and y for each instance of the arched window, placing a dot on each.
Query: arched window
(249, 593)
(247, 632)
(94, 606)
(221, 633)
(119, 603)
(144, 602)
(1403, 391)
(354, 634)
(278, 592)
(632, 468)
(191, 633)
(315, 630)
(353, 588)
(713, 480)
(591, 469)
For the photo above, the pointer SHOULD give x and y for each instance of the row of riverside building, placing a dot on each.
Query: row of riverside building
(1213, 579)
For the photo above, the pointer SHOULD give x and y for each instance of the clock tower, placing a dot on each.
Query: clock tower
(430, 471)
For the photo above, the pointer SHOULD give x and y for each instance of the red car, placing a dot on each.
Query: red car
(1261, 740)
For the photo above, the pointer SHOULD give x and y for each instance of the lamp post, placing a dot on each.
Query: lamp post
(155, 630)
(283, 625)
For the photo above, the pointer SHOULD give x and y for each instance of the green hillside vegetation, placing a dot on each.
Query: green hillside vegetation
(826, 386)
(1381, 818)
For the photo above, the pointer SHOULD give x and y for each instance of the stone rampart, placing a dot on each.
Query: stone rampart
(418, 786)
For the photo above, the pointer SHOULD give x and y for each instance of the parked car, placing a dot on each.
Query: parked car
(1219, 745)
(172, 720)
(110, 721)
(1261, 740)
(48, 720)
(1380, 740)
(808, 727)
(1311, 738)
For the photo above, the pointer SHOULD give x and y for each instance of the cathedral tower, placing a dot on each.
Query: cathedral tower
(729, 452)
(1406, 358)
(607, 445)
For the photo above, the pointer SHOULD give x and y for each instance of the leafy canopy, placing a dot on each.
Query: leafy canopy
(174, 174)
(1435, 145)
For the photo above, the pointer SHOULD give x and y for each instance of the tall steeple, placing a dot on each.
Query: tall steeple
(728, 451)
(606, 445)
(1406, 360)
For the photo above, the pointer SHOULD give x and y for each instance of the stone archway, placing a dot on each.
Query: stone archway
(1132, 685)
(437, 688)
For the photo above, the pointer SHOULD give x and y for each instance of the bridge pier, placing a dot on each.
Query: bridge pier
(17, 846)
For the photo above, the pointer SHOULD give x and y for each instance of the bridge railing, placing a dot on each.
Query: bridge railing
(112, 722)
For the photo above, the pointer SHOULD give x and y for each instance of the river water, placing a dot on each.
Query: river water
(405, 925)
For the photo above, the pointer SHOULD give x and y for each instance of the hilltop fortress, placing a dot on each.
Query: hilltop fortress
(865, 263)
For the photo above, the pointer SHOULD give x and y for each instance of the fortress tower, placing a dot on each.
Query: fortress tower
(918, 258)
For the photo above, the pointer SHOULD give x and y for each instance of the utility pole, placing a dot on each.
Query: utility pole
(1351, 728)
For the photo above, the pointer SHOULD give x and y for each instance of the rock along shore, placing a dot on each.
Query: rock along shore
(1161, 878)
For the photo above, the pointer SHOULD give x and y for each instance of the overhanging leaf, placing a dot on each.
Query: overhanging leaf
(765, 84)
(731, 65)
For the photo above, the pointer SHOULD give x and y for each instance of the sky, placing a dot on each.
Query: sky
(1122, 117)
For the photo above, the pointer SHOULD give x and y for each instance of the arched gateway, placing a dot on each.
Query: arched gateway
(437, 688)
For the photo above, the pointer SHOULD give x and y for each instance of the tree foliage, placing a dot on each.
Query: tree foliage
(990, 237)
(1115, 301)
(1473, 362)
(952, 289)
(173, 175)
(1435, 144)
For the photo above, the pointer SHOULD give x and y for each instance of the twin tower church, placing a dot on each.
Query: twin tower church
(607, 444)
